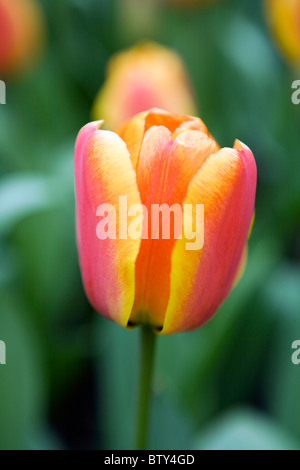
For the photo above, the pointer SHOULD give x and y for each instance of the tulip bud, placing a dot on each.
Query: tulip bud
(140, 78)
(284, 19)
(135, 188)
(21, 34)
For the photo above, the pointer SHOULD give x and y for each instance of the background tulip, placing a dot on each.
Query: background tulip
(284, 19)
(140, 78)
(159, 158)
(21, 34)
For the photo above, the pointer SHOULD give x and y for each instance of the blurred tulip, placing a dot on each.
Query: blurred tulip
(161, 158)
(21, 34)
(140, 78)
(284, 19)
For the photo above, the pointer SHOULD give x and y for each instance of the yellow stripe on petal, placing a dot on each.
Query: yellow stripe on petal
(201, 279)
(165, 170)
(132, 132)
(242, 266)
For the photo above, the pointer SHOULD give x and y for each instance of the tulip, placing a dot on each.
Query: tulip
(161, 158)
(141, 78)
(21, 34)
(284, 20)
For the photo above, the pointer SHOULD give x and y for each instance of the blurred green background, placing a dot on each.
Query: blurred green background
(70, 378)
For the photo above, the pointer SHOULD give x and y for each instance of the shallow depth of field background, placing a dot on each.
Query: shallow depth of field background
(70, 378)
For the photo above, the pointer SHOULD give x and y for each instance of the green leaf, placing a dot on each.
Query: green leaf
(282, 377)
(245, 430)
(22, 383)
(22, 195)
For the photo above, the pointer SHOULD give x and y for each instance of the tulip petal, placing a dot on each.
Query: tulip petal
(164, 171)
(244, 259)
(158, 117)
(133, 131)
(103, 173)
(192, 125)
(242, 266)
(201, 280)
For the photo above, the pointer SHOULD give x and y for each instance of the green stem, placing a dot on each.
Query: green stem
(146, 369)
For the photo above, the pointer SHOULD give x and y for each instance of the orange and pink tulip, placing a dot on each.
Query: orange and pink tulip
(22, 33)
(162, 158)
(140, 78)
